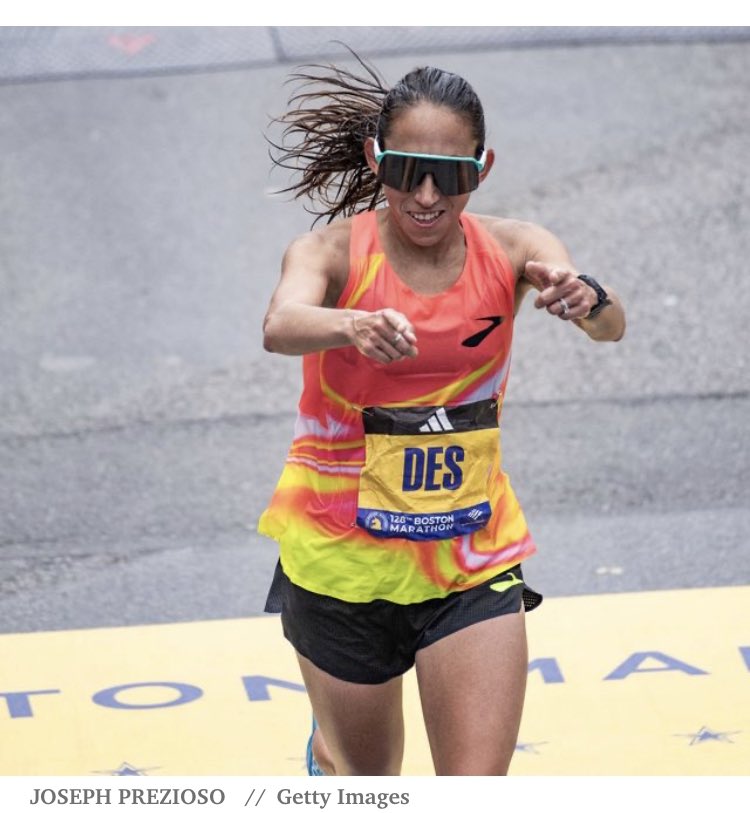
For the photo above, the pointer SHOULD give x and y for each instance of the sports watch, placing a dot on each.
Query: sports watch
(602, 300)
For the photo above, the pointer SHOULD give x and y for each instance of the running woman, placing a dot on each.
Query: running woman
(401, 539)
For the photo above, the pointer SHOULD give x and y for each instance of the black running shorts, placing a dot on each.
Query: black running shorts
(375, 641)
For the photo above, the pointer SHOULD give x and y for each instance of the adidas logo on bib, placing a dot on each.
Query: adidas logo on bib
(437, 423)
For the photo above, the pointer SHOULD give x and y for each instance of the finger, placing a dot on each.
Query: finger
(369, 341)
(578, 296)
(538, 274)
(560, 308)
(408, 334)
(393, 318)
(402, 347)
(393, 345)
(573, 306)
(376, 339)
(401, 327)
(406, 348)
(566, 285)
(379, 350)
(398, 322)
(380, 356)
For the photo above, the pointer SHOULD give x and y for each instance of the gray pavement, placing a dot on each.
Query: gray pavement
(142, 427)
(44, 52)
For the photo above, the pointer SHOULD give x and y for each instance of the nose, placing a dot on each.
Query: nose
(427, 193)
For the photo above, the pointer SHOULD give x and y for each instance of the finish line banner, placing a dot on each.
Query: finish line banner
(624, 684)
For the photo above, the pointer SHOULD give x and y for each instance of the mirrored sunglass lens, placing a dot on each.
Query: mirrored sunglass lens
(397, 171)
(446, 175)
(405, 173)
(468, 176)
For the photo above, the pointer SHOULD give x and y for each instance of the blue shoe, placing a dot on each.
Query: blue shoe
(313, 769)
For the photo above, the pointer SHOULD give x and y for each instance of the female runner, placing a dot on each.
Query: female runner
(400, 536)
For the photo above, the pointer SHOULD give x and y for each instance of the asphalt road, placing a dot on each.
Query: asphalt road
(142, 427)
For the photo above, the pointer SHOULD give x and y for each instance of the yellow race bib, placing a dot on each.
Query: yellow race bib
(426, 470)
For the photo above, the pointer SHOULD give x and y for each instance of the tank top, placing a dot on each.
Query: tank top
(332, 541)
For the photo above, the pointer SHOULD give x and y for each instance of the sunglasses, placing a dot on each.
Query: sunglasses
(404, 171)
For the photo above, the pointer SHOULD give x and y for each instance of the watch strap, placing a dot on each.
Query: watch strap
(602, 300)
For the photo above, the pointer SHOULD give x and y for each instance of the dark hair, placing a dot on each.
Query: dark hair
(333, 111)
(437, 87)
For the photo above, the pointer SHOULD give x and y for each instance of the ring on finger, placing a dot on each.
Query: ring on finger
(396, 338)
(564, 305)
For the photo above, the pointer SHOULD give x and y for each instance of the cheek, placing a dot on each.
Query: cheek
(455, 203)
(394, 199)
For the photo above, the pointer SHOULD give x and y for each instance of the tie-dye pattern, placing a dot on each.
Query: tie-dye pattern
(312, 512)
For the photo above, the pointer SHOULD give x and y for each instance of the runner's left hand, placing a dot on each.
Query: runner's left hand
(561, 292)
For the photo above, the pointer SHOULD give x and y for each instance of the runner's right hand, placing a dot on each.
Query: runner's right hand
(385, 335)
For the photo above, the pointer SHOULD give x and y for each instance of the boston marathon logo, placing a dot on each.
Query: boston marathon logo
(377, 521)
(418, 525)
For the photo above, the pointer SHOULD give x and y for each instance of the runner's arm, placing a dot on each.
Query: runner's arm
(547, 266)
(302, 316)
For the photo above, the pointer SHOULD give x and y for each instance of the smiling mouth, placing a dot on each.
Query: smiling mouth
(424, 218)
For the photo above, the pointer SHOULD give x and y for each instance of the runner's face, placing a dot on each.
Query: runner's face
(425, 216)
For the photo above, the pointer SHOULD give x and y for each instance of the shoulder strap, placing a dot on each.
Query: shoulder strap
(365, 258)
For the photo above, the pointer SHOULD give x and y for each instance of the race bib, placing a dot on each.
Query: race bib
(426, 470)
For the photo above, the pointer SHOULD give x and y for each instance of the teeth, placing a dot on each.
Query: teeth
(427, 217)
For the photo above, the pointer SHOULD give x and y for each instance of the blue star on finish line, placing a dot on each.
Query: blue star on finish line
(529, 747)
(704, 734)
(126, 769)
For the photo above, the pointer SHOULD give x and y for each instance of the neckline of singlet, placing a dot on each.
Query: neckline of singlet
(466, 227)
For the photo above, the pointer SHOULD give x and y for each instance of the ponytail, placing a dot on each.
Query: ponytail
(332, 112)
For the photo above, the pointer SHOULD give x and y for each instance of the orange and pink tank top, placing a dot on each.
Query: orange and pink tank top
(393, 487)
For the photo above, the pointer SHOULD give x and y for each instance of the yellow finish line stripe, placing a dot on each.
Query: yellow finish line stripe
(621, 684)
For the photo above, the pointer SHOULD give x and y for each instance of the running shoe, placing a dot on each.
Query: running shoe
(313, 769)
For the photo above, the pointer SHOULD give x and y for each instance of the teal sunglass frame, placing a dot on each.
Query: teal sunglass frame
(452, 174)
